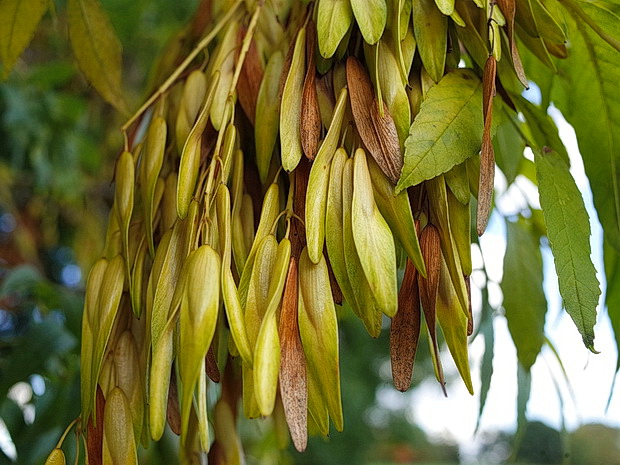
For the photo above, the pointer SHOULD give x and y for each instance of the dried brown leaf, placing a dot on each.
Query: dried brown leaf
(377, 131)
(250, 77)
(336, 291)
(392, 161)
(293, 383)
(94, 433)
(310, 111)
(430, 244)
(213, 372)
(487, 156)
(173, 413)
(509, 8)
(405, 329)
(470, 319)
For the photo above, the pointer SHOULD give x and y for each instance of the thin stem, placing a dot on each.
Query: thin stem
(229, 111)
(177, 72)
(64, 435)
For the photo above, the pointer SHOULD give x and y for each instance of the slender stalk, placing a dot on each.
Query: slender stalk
(177, 72)
(64, 435)
(229, 112)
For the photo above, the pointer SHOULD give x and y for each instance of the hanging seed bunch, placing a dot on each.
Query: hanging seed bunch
(285, 169)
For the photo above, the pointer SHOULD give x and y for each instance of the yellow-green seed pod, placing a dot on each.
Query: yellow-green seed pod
(371, 16)
(318, 327)
(255, 308)
(268, 215)
(107, 374)
(267, 351)
(397, 213)
(194, 91)
(197, 318)
(107, 306)
(440, 217)
(150, 166)
(190, 157)
(56, 457)
(119, 446)
(364, 303)
(124, 197)
(124, 191)
(268, 114)
(223, 63)
(318, 182)
(127, 365)
(290, 109)
(334, 227)
(161, 364)
(334, 19)
(373, 239)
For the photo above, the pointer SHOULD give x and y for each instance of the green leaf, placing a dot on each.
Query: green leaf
(371, 16)
(334, 19)
(18, 23)
(96, 49)
(447, 131)
(524, 299)
(486, 364)
(612, 293)
(32, 351)
(430, 28)
(568, 230)
(592, 105)
(509, 147)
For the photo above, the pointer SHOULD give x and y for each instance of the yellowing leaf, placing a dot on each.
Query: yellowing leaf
(18, 23)
(447, 131)
(96, 48)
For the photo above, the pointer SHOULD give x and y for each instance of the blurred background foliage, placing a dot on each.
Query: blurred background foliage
(59, 144)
